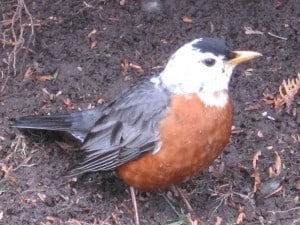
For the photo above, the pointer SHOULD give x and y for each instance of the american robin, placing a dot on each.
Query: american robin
(164, 130)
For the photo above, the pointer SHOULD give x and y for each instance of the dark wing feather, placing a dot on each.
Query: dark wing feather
(127, 129)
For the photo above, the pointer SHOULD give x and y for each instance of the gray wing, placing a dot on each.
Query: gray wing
(127, 129)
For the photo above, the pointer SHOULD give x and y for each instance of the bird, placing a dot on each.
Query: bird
(164, 130)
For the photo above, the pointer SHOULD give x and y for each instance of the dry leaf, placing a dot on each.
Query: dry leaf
(276, 168)
(65, 146)
(115, 218)
(297, 185)
(51, 219)
(255, 106)
(192, 221)
(75, 222)
(122, 2)
(278, 103)
(287, 92)
(127, 78)
(7, 22)
(42, 196)
(296, 138)
(27, 74)
(297, 200)
(248, 72)
(44, 77)
(249, 30)
(256, 175)
(255, 159)
(94, 44)
(125, 66)
(278, 4)
(219, 221)
(260, 134)
(257, 180)
(88, 5)
(187, 19)
(278, 164)
(288, 89)
(90, 106)
(271, 172)
(268, 97)
(68, 103)
(58, 93)
(100, 101)
(241, 215)
(94, 31)
(136, 67)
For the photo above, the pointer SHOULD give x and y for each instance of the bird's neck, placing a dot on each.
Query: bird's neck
(215, 99)
(209, 98)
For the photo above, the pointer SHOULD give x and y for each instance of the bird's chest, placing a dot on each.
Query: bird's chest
(192, 135)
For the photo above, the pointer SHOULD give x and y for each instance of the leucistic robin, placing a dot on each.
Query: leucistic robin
(164, 130)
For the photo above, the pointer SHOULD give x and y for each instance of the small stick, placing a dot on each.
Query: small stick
(186, 202)
(274, 35)
(136, 213)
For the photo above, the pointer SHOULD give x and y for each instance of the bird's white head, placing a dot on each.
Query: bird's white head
(203, 67)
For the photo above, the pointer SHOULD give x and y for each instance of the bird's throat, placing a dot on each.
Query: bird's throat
(214, 99)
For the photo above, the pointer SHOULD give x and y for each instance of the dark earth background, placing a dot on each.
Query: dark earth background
(82, 53)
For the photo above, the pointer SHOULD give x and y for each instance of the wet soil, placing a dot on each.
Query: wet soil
(85, 52)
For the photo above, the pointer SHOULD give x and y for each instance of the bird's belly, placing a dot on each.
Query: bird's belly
(192, 136)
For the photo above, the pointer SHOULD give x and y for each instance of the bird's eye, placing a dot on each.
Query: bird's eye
(209, 62)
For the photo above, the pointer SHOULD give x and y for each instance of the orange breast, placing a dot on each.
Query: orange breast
(192, 136)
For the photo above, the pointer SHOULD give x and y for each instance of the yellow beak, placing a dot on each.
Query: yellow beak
(243, 56)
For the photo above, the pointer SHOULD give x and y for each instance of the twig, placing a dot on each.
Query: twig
(4, 84)
(24, 164)
(19, 38)
(285, 211)
(133, 198)
(274, 35)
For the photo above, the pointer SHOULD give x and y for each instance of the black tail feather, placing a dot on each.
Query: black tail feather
(78, 124)
(56, 122)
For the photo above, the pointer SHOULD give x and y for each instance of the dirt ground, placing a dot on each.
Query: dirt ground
(78, 54)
